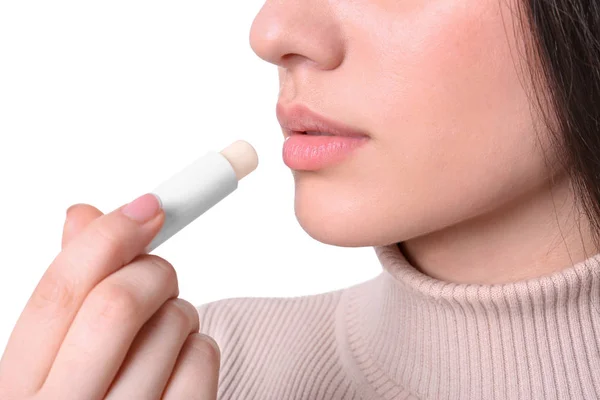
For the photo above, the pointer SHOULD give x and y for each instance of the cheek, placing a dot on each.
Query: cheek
(458, 102)
(453, 135)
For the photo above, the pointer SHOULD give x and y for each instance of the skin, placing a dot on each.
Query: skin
(105, 322)
(454, 168)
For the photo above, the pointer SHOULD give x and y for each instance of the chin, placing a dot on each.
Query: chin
(332, 230)
(341, 215)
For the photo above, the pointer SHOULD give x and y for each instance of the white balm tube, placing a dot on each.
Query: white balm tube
(199, 186)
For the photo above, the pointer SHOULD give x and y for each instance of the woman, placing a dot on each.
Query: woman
(464, 149)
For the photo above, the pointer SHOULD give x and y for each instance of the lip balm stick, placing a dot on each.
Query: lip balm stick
(199, 186)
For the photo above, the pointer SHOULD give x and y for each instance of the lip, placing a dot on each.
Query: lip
(298, 118)
(304, 152)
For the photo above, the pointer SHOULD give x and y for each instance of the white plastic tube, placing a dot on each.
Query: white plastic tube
(199, 186)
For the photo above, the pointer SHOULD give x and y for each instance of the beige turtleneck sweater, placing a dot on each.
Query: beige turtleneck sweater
(405, 335)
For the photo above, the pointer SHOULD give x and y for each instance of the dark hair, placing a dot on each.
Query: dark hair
(563, 53)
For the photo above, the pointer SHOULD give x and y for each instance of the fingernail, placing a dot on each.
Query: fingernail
(211, 341)
(142, 209)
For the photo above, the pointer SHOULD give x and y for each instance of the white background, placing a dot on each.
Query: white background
(101, 101)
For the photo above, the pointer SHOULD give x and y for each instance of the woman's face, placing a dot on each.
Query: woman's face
(437, 86)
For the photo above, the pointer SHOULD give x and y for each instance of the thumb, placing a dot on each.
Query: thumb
(78, 217)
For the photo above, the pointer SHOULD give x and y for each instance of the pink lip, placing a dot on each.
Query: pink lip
(298, 118)
(311, 152)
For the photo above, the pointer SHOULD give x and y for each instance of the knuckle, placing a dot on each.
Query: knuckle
(203, 348)
(115, 303)
(107, 240)
(54, 292)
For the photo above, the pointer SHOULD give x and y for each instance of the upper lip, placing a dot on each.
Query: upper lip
(298, 118)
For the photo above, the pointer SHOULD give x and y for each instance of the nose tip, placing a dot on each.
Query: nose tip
(288, 32)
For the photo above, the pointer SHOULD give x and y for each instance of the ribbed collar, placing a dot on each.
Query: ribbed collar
(406, 335)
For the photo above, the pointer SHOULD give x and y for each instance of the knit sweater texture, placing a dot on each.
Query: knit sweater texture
(405, 335)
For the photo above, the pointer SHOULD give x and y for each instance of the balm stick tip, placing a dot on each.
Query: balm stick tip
(242, 157)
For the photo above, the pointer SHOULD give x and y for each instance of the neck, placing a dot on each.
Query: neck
(537, 234)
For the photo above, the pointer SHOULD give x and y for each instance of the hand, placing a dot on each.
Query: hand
(104, 322)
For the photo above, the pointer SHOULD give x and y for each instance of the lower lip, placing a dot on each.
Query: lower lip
(313, 152)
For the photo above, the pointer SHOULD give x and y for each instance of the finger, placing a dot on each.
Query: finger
(102, 247)
(105, 327)
(196, 374)
(153, 354)
(78, 217)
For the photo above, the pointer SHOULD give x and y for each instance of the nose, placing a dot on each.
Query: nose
(289, 32)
